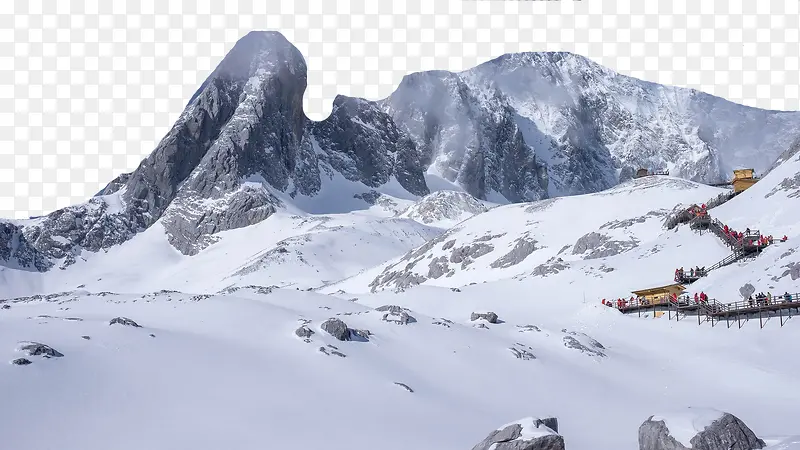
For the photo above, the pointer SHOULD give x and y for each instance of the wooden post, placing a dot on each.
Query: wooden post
(780, 313)
(760, 320)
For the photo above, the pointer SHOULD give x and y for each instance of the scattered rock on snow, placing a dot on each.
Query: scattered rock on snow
(124, 321)
(523, 352)
(332, 352)
(524, 434)
(697, 428)
(6, 306)
(86, 337)
(442, 322)
(39, 349)
(21, 362)
(571, 342)
(396, 314)
(528, 328)
(488, 316)
(404, 386)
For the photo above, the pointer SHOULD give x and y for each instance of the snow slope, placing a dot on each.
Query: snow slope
(578, 235)
(227, 371)
(301, 251)
(225, 368)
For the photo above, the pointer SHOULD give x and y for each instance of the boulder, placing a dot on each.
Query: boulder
(124, 321)
(304, 332)
(525, 434)
(336, 328)
(697, 429)
(6, 306)
(39, 349)
(21, 362)
(488, 316)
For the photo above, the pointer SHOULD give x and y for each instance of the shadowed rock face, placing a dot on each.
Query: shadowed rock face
(725, 433)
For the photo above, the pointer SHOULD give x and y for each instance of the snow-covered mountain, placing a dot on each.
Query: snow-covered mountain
(232, 346)
(519, 128)
(363, 282)
(228, 355)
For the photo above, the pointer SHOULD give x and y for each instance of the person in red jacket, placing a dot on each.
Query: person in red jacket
(703, 297)
(725, 229)
(696, 298)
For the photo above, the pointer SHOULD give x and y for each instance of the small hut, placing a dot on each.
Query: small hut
(642, 173)
(743, 179)
(660, 294)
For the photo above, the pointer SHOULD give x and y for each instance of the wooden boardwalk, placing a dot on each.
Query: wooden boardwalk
(714, 312)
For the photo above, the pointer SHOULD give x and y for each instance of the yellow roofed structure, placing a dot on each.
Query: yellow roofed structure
(659, 294)
(743, 179)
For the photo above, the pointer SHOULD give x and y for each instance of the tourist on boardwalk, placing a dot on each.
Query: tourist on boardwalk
(696, 298)
(787, 297)
(750, 300)
(784, 238)
(769, 298)
(677, 275)
(747, 231)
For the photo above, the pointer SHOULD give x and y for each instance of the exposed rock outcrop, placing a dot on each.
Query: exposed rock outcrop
(487, 316)
(697, 429)
(124, 321)
(525, 434)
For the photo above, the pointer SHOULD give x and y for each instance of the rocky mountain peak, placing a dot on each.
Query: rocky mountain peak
(518, 128)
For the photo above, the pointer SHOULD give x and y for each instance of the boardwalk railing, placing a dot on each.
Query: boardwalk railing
(783, 306)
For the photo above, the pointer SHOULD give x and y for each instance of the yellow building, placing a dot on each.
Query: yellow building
(743, 179)
(661, 294)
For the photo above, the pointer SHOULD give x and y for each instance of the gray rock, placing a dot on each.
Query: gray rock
(86, 337)
(304, 332)
(438, 267)
(396, 314)
(571, 342)
(522, 249)
(725, 433)
(487, 316)
(21, 362)
(39, 349)
(747, 290)
(468, 253)
(601, 246)
(6, 306)
(124, 321)
(551, 267)
(528, 434)
(336, 328)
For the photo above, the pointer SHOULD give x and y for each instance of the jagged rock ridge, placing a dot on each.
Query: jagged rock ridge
(522, 127)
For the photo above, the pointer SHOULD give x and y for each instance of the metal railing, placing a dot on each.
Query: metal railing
(783, 306)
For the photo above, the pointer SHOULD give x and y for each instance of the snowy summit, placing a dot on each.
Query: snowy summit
(536, 235)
